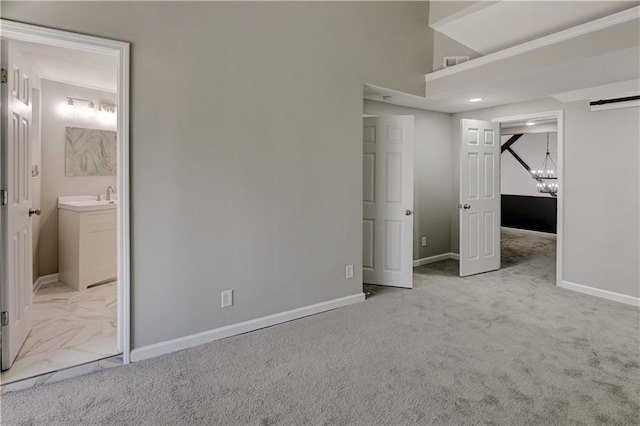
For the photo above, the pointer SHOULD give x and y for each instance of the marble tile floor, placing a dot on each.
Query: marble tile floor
(69, 328)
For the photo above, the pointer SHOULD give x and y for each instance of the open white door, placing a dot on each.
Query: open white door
(479, 196)
(387, 251)
(17, 280)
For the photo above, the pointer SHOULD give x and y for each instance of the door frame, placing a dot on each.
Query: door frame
(558, 115)
(41, 35)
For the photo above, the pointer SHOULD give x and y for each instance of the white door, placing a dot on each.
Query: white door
(479, 196)
(387, 251)
(17, 280)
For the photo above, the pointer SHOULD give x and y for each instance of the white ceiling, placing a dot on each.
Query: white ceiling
(87, 69)
(600, 58)
(490, 26)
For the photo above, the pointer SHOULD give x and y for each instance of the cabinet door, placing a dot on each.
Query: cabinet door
(98, 251)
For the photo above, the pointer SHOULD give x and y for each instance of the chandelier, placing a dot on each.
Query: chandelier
(546, 176)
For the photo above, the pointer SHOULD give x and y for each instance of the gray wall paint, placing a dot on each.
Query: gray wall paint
(53, 180)
(246, 154)
(531, 147)
(601, 213)
(445, 46)
(439, 10)
(432, 168)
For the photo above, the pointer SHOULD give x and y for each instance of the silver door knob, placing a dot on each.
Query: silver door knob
(466, 206)
(36, 212)
(459, 206)
(408, 212)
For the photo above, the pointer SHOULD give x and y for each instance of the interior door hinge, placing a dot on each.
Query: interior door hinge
(5, 318)
(4, 197)
(4, 77)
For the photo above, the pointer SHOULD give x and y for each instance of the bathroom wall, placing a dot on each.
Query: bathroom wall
(36, 179)
(54, 181)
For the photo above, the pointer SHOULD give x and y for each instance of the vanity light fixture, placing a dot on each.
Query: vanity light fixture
(473, 100)
(108, 108)
(105, 109)
(69, 108)
(91, 110)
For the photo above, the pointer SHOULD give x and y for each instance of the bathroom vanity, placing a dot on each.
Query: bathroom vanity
(87, 235)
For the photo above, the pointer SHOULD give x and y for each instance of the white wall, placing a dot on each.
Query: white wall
(531, 148)
(432, 161)
(601, 210)
(246, 146)
(53, 179)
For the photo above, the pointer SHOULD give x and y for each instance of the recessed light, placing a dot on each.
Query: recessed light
(475, 100)
(530, 123)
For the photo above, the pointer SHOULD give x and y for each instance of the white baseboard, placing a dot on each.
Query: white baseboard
(455, 256)
(44, 280)
(605, 294)
(431, 259)
(186, 342)
(527, 231)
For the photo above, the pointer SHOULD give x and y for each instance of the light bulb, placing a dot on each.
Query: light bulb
(69, 108)
(91, 110)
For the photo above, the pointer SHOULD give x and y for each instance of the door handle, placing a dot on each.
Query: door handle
(408, 212)
(466, 206)
(36, 212)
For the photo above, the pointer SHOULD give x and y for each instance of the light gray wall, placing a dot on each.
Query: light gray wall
(445, 46)
(432, 167)
(531, 148)
(246, 154)
(439, 10)
(53, 179)
(601, 192)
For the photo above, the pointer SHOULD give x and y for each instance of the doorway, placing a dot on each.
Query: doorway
(549, 126)
(92, 266)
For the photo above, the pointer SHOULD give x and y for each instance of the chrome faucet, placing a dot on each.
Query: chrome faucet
(110, 191)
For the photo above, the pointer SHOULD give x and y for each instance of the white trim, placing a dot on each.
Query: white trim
(432, 259)
(529, 231)
(559, 116)
(50, 37)
(604, 294)
(45, 279)
(617, 105)
(208, 336)
(455, 256)
(589, 27)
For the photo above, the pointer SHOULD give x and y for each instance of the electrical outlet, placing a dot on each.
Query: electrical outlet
(227, 298)
(349, 271)
(424, 241)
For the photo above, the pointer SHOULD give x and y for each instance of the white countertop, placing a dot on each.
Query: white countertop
(86, 203)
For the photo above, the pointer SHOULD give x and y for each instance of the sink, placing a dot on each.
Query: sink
(85, 203)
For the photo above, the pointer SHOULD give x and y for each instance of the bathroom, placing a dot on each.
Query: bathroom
(73, 209)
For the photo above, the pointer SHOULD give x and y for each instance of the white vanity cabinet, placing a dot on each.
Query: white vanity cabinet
(87, 251)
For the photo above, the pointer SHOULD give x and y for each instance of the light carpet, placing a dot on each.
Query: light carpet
(506, 347)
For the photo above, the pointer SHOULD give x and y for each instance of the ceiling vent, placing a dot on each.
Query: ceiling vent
(449, 61)
(615, 103)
